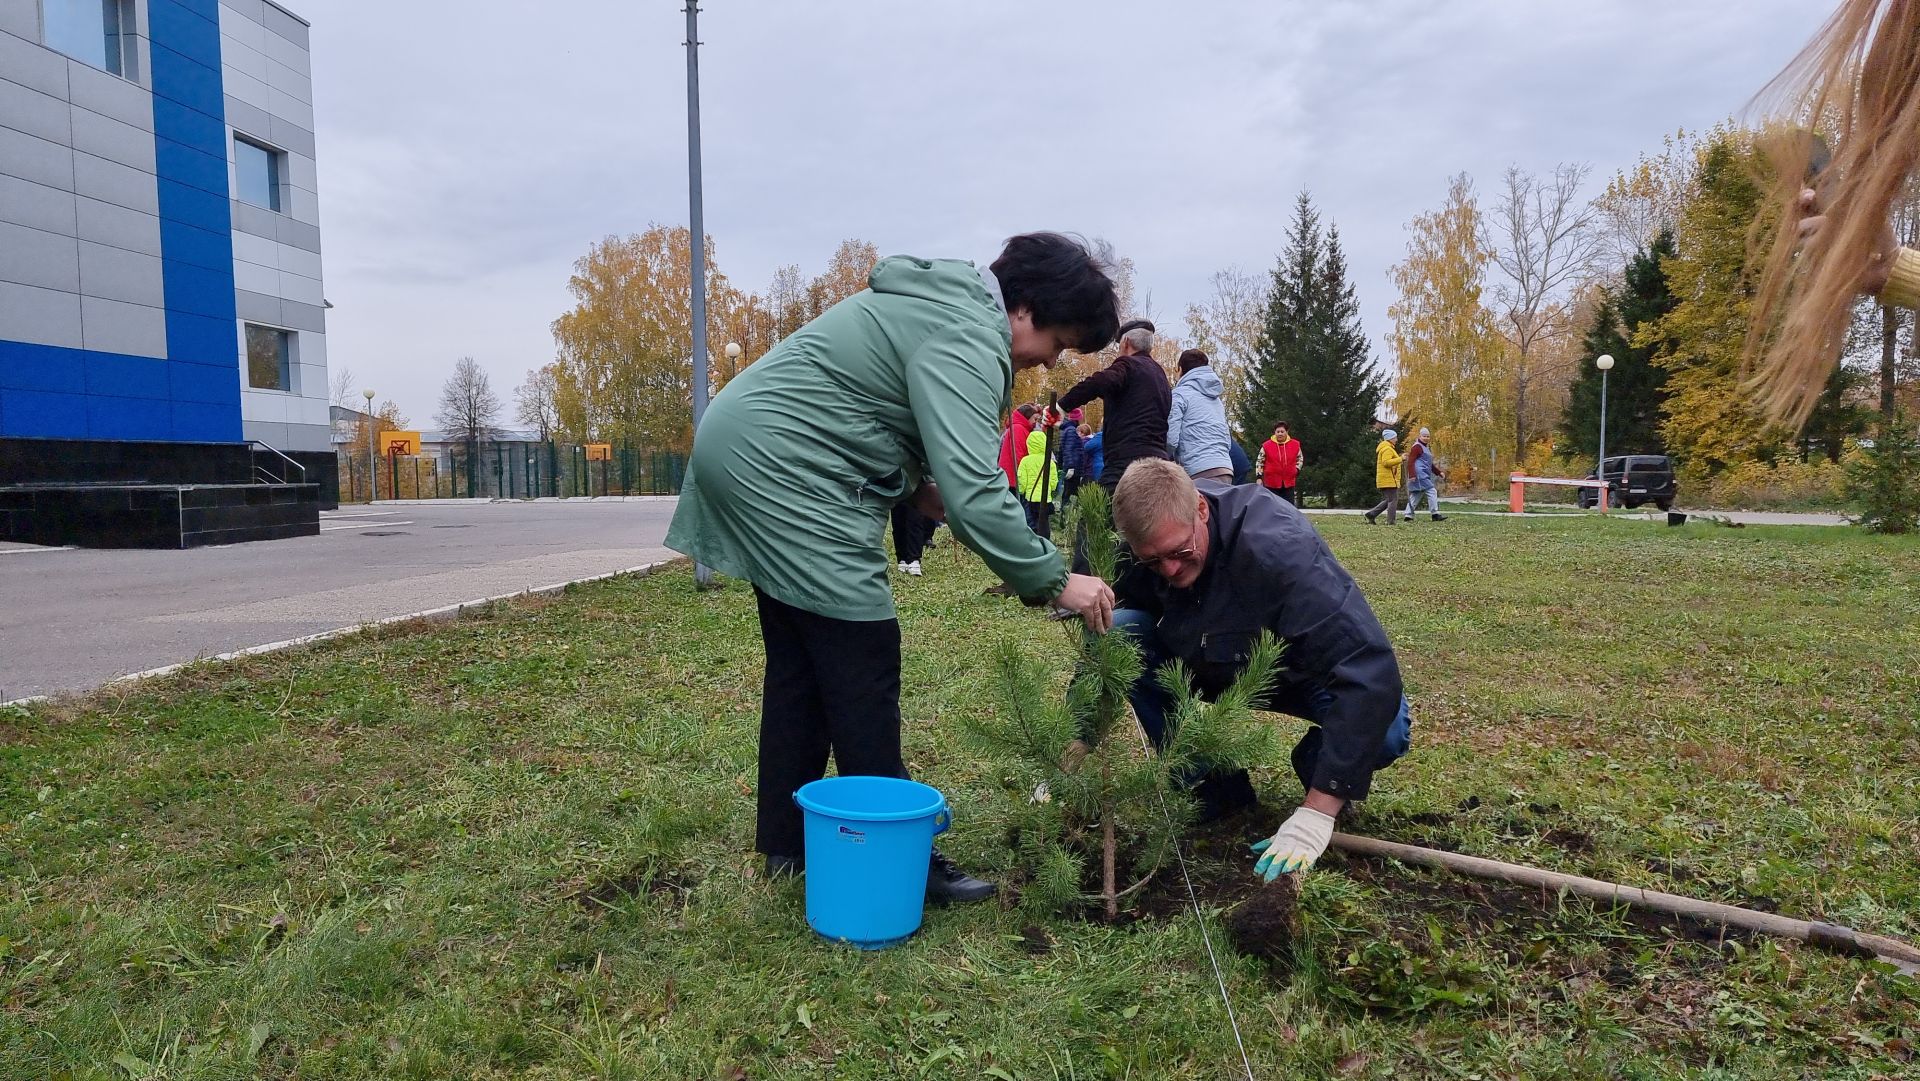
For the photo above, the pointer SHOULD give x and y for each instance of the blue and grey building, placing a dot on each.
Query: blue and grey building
(160, 277)
(159, 224)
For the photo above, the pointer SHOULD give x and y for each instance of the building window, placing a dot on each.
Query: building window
(97, 32)
(258, 173)
(269, 358)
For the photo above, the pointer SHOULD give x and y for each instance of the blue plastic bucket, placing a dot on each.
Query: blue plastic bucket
(868, 842)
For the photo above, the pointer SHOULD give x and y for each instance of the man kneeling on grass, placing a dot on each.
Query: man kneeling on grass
(1231, 563)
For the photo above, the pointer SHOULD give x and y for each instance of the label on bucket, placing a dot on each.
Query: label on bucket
(852, 836)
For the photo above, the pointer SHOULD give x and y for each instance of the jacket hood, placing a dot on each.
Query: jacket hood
(1037, 441)
(945, 281)
(1204, 380)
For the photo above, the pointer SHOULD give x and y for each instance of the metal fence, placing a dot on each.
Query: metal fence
(514, 471)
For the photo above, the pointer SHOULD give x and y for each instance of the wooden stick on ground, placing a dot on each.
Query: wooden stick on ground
(1824, 935)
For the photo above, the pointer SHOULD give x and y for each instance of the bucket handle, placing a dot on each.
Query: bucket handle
(942, 820)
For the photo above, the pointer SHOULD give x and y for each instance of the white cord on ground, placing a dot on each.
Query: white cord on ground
(1193, 898)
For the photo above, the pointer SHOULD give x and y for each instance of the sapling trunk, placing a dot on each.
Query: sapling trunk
(1110, 887)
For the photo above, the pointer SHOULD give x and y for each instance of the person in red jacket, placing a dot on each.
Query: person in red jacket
(1280, 463)
(1013, 442)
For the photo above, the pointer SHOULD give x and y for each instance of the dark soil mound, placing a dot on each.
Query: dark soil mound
(1267, 924)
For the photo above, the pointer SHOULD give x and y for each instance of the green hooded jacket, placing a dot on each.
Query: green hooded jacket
(801, 456)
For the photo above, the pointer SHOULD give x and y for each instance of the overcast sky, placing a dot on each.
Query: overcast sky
(469, 152)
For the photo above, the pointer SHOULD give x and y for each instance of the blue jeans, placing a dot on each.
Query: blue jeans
(1150, 702)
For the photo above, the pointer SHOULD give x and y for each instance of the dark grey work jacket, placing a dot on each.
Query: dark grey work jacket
(1268, 569)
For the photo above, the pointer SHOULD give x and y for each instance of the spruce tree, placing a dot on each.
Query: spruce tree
(1636, 387)
(1312, 368)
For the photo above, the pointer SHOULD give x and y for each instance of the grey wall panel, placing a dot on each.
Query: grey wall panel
(308, 317)
(109, 95)
(39, 316)
(31, 257)
(272, 433)
(248, 218)
(37, 206)
(297, 233)
(38, 160)
(21, 18)
(290, 136)
(105, 137)
(257, 307)
(24, 61)
(308, 437)
(113, 327)
(251, 9)
(110, 223)
(292, 56)
(23, 108)
(285, 25)
(112, 182)
(248, 119)
(117, 274)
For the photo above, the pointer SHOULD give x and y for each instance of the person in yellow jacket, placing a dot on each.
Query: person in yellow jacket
(1386, 477)
(1039, 478)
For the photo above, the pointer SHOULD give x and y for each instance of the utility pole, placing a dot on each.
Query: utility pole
(696, 226)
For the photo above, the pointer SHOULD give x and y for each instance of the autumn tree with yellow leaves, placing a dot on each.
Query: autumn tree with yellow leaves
(1454, 366)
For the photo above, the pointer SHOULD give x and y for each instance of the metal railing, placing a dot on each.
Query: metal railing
(515, 471)
(262, 473)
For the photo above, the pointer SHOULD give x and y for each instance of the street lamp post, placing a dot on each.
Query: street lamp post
(733, 359)
(697, 242)
(1605, 363)
(373, 466)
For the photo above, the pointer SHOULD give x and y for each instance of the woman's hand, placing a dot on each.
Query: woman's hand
(1874, 277)
(1090, 597)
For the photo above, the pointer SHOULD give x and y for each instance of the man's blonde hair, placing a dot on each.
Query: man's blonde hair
(1152, 492)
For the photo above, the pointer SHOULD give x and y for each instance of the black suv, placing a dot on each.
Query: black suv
(1634, 479)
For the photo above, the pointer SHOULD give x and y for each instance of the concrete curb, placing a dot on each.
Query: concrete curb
(438, 615)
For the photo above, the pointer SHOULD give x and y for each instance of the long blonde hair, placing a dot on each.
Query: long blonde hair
(1859, 81)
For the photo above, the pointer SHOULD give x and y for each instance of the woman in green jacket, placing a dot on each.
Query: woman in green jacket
(801, 457)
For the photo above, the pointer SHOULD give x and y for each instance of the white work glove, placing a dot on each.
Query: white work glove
(1298, 842)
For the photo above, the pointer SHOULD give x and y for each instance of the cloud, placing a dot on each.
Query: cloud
(470, 152)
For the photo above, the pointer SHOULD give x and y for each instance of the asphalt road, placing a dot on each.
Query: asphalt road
(74, 618)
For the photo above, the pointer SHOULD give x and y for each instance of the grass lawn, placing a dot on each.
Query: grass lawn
(518, 845)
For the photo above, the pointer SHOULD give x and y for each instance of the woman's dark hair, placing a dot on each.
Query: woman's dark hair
(1061, 281)
(1191, 359)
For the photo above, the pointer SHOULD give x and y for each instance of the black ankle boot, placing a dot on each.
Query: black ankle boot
(785, 866)
(947, 884)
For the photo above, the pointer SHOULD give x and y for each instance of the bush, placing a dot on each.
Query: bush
(1884, 480)
(1756, 485)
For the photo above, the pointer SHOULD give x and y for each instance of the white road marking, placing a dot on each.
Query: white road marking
(36, 551)
(363, 525)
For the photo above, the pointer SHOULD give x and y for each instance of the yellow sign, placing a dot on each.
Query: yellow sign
(399, 443)
(599, 452)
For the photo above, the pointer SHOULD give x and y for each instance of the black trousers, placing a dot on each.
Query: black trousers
(911, 532)
(1286, 494)
(832, 685)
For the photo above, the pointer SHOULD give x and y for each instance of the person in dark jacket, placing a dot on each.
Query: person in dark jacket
(1138, 400)
(1094, 444)
(1242, 465)
(1232, 562)
(1072, 455)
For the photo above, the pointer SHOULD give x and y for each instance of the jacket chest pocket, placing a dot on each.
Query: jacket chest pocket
(1232, 648)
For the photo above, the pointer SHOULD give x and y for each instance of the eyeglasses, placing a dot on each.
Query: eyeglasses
(1154, 562)
(1183, 555)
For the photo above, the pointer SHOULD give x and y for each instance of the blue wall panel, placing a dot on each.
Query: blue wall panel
(127, 377)
(204, 384)
(129, 418)
(42, 368)
(206, 423)
(196, 227)
(31, 412)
